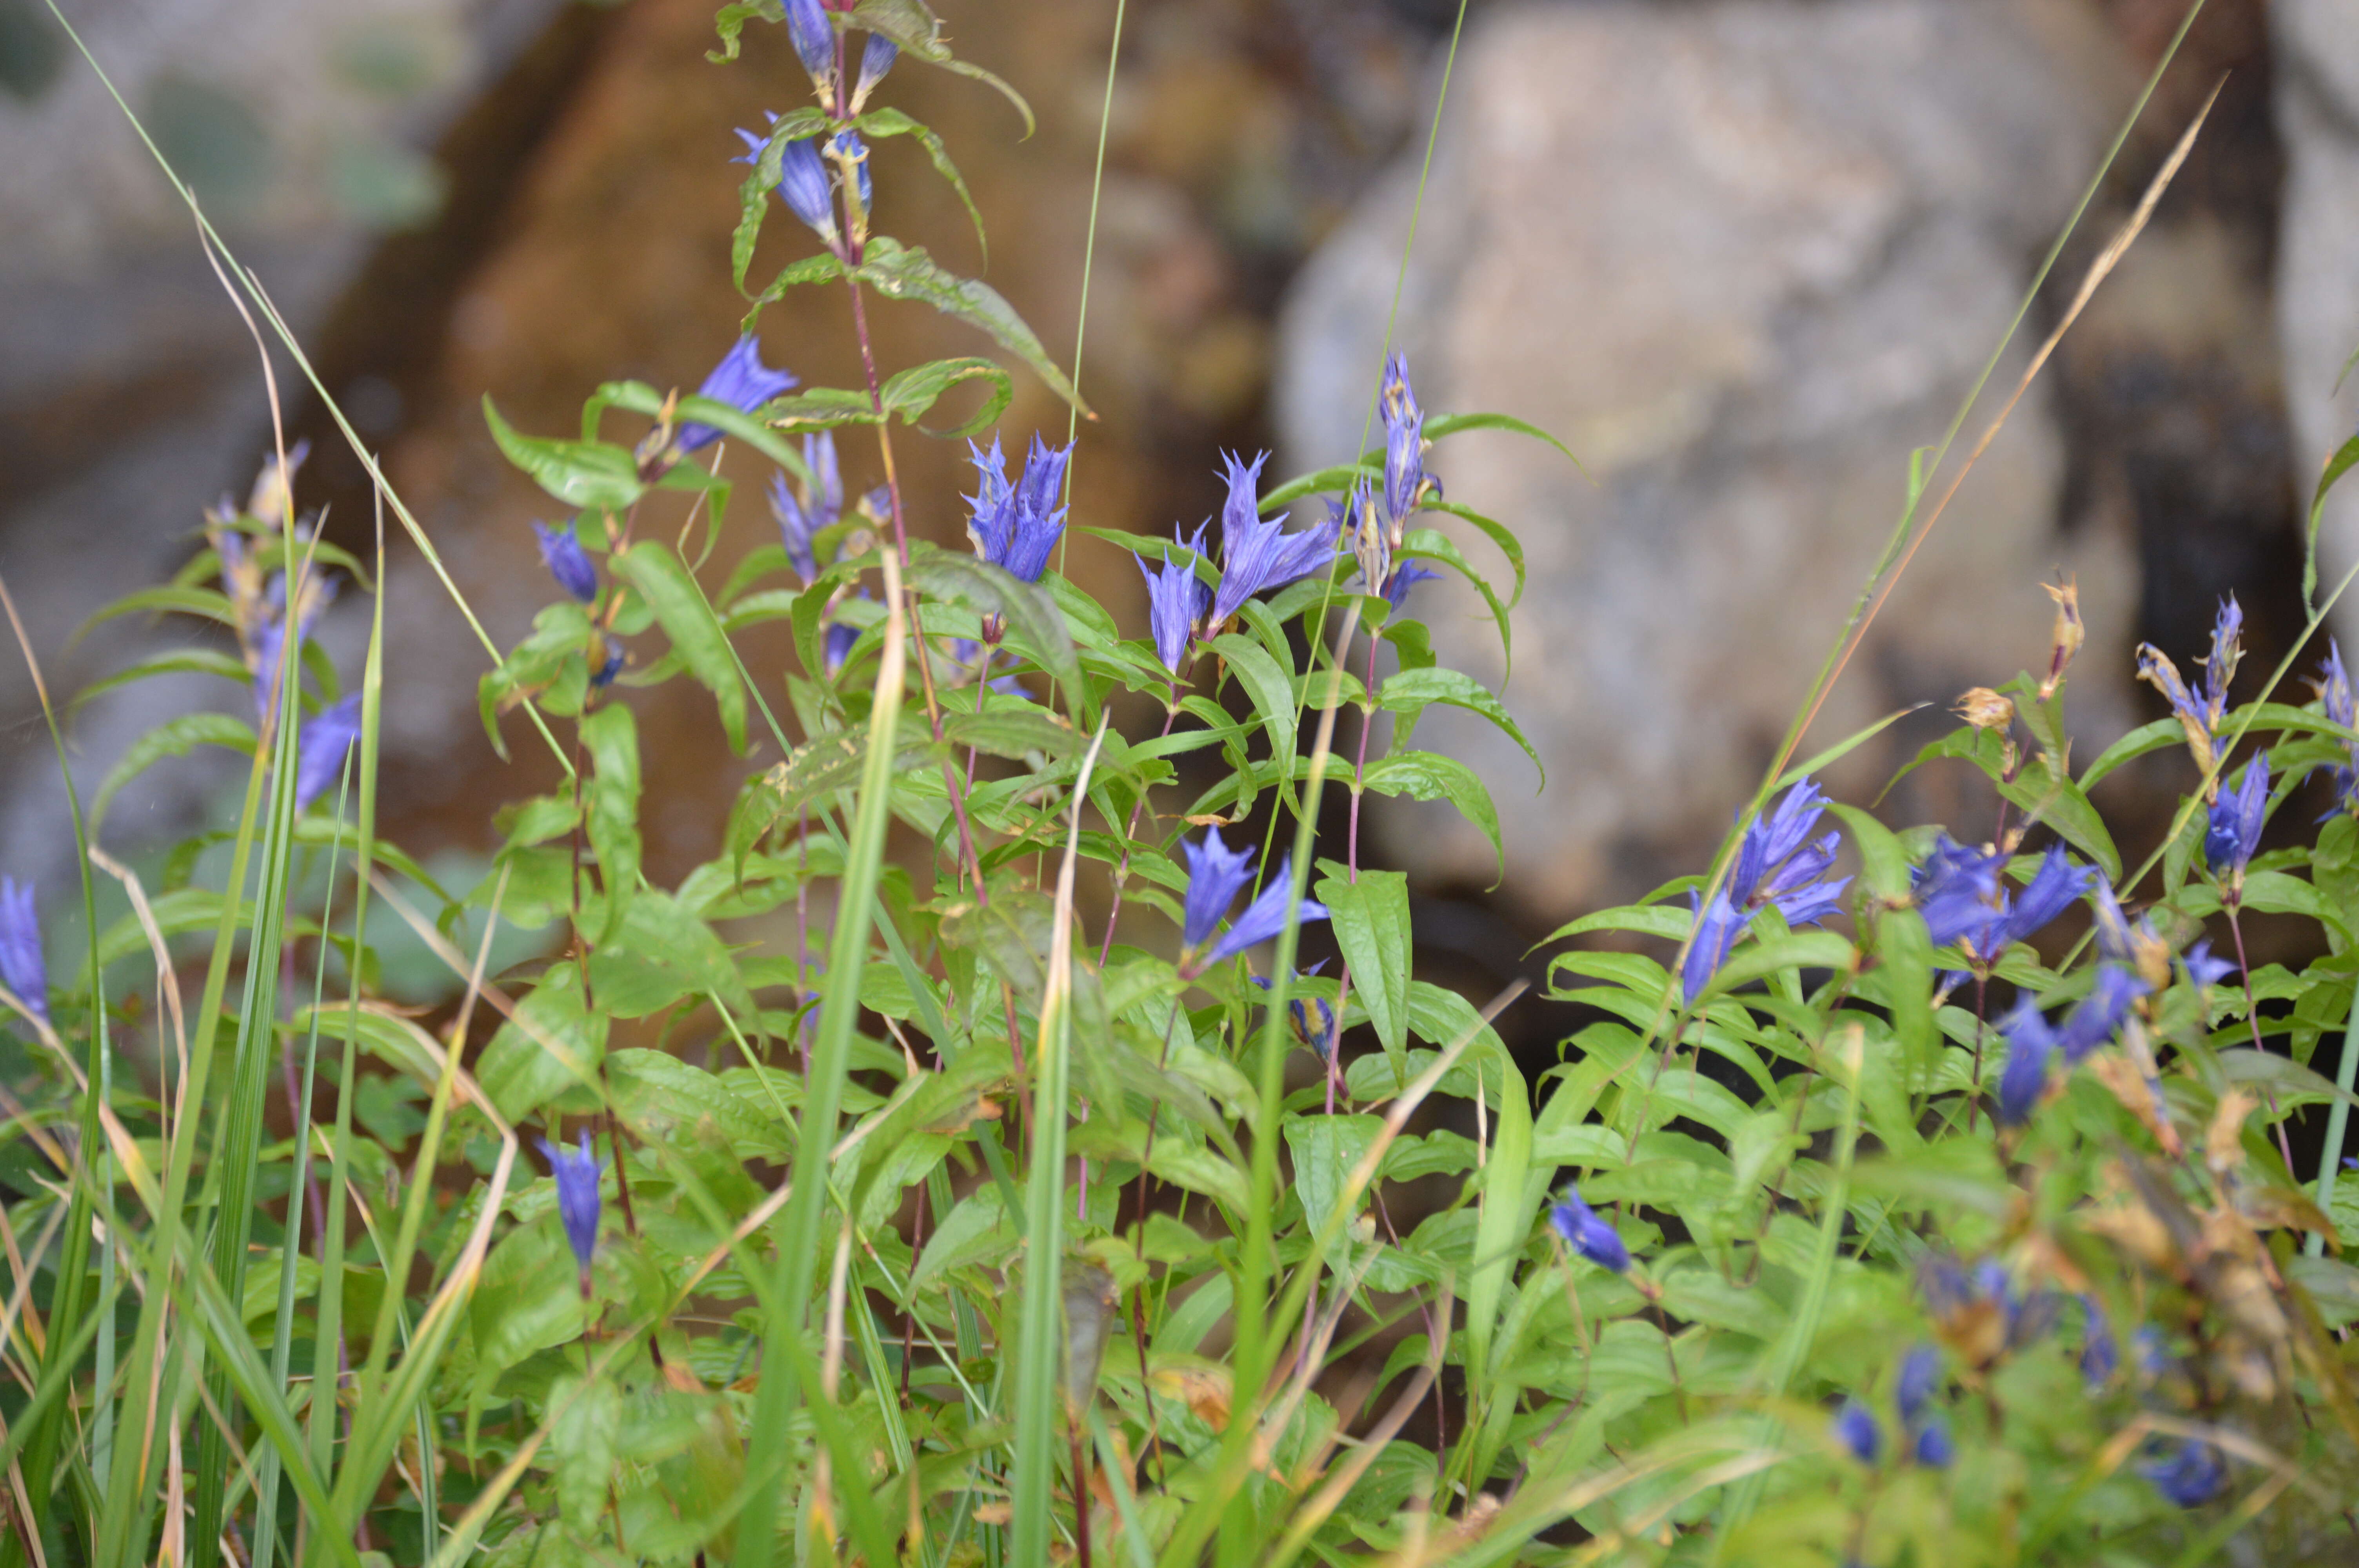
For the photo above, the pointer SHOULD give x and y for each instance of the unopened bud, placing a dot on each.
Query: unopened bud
(2068, 635)
(1985, 710)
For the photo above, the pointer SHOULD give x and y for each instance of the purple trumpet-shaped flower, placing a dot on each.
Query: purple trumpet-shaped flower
(2030, 1045)
(1258, 553)
(1587, 1233)
(1405, 477)
(813, 36)
(804, 186)
(2235, 829)
(2203, 968)
(2193, 1475)
(1216, 874)
(577, 1197)
(1778, 863)
(837, 644)
(877, 57)
(1176, 599)
(1856, 1430)
(1015, 527)
(2099, 1016)
(320, 748)
(268, 639)
(2055, 884)
(742, 381)
(1406, 574)
(2334, 695)
(801, 517)
(568, 562)
(1265, 917)
(603, 675)
(1920, 1379)
(21, 963)
(1957, 890)
(1718, 925)
(1310, 1019)
(1935, 1449)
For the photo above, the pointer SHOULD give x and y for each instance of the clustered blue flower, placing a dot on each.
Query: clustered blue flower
(1216, 875)
(1377, 519)
(1258, 553)
(1015, 527)
(1587, 1233)
(1962, 896)
(1777, 863)
(1177, 599)
(2233, 829)
(2032, 1043)
(801, 517)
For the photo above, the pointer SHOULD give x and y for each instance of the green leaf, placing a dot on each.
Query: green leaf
(1325, 1150)
(611, 802)
(1668, 921)
(2345, 456)
(1802, 950)
(1371, 920)
(523, 1069)
(1444, 425)
(1408, 692)
(753, 190)
(1271, 692)
(881, 122)
(899, 272)
(1432, 545)
(687, 618)
(174, 738)
(2046, 794)
(199, 602)
(661, 954)
(585, 1419)
(911, 393)
(1029, 608)
(1428, 775)
(183, 661)
(587, 474)
(1011, 732)
(2146, 738)
(1498, 532)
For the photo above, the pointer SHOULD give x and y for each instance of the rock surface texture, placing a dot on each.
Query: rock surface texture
(1742, 257)
(2317, 49)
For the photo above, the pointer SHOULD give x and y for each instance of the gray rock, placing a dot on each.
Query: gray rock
(2317, 62)
(1742, 257)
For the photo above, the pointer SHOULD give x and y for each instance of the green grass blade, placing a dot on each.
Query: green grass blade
(801, 1242)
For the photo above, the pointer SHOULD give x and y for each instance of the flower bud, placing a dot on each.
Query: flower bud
(1985, 710)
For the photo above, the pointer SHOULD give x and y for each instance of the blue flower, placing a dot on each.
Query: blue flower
(2055, 886)
(577, 1197)
(21, 964)
(2029, 1044)
(1015, 527)
(1407, 576)
(2203, 968)
(320, 748)
(1588, 1234)
(840, 638)
(2099, 1016)
(742, 381)
(1777, 863)
(1856, 1430)
(1957, 890)
(2235, 829)
(1176, 599)
(802, 517)
(1718, 925)
(1258, 553)
(2191, 1477)
(1265, 917)
(1310, 1018)
(1920, 1379)
(2334, 695)
(1405, 477)
(804, 188)
(568, 562)
(269, 637)
(814, 38)
(1215, 876)
(603, 675)
(2100, 1357)
(1936, 1450)
(877, 57)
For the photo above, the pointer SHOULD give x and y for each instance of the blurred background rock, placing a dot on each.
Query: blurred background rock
(1741, 255)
